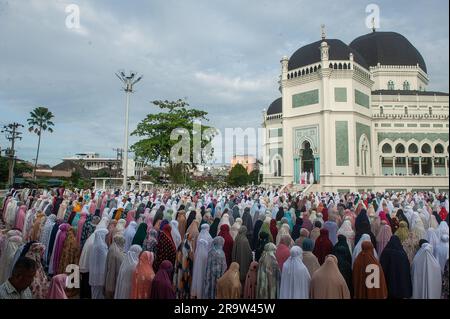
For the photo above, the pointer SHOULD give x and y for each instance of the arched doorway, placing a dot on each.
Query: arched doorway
(307, 163)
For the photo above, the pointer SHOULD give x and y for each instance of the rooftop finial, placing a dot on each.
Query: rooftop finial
(373, 24)
(322, 27)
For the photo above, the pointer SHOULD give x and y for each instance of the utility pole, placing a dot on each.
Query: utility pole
(11, 133)
(119, 157)
(128, 82)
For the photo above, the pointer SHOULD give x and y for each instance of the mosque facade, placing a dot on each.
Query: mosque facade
(357, 117)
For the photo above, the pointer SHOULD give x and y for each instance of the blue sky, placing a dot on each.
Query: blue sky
(222, 56)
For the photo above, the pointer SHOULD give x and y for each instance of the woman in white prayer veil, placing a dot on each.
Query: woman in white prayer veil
(97, 264)
(418, 229)
(120, 227)
(126, 271)
(441, 251)
(442, 229)
(225, 220)
(425, 217)
(103, 223)
(235, 227)
(432, 238)
(105, 213)
(176, 236)
(380, 206)
(358, 248)
(426, 274)
(203, 246)
(284, 231)
(347, 230)
(129, 233)
(295, 277)
(433, 222)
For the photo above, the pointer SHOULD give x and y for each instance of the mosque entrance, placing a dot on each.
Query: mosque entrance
(307, 160)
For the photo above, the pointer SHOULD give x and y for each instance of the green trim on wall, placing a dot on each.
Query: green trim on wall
(340, 94)
(409, 136)
(275, 132)
(305, 98)
(360, 130)
(362, 99)
(342, 156)
(343, 191)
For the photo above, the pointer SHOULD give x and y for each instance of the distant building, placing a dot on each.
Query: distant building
(93, 162)
(90, 163)
(248, 161)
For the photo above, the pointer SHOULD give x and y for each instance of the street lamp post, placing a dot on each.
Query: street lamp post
(128, 82)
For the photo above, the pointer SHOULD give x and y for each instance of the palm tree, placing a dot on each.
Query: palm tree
(39, 121)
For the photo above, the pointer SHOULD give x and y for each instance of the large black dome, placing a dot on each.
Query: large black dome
(310, 54)
(388, 48)
(275, 107)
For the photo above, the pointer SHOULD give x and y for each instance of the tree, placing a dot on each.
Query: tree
(20, 168)
(156, 129)
(254, 177)
(238, 176)
(39, 122)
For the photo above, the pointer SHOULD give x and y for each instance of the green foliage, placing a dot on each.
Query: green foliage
(254, 177)
(238, 176)
(153, 175)
(102, 173)
(19, 169)
(40, 120)
(155, 131)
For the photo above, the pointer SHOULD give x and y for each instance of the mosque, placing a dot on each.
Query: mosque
(357, 117)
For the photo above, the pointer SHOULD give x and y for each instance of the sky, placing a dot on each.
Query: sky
(222, 56)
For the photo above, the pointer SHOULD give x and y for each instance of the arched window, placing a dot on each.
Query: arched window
(399, 148)
(386, 148)
(381, 110)
(391, 85)
(413, 148)
(289, 76)
(406, 86)
(439, 149)
(426, 148)
(364, 151)
(406, 110)
(340, 66)
(331, 65)
(430, 110)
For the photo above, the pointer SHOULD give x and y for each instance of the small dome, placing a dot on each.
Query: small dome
(310, 54)
(275, 107)
(388, 48)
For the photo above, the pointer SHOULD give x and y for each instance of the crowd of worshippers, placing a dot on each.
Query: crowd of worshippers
(251, 243)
